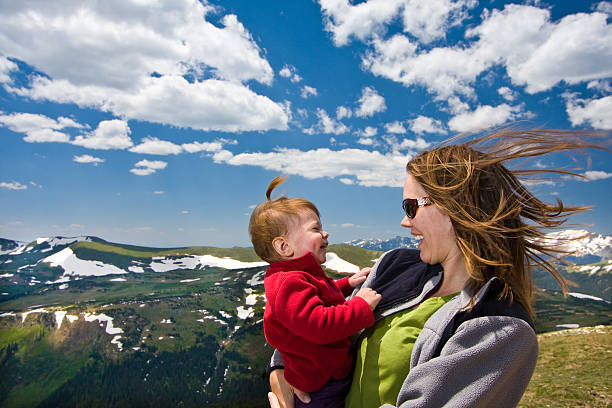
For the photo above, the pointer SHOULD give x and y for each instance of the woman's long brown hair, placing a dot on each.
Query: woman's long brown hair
(500, 225)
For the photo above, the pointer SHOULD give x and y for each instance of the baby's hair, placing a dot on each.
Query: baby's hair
(270, 218)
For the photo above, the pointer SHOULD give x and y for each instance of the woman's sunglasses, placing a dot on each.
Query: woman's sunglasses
(411, 205)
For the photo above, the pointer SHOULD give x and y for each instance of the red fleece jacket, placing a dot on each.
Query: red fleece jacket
(309, 321)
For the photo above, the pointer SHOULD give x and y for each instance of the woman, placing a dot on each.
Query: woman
(477, 346)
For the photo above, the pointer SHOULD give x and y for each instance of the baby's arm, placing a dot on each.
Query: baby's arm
(298, 305)
(359, 277)
(347, 284)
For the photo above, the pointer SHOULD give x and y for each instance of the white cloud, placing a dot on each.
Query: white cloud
(327, 125)
(88, 159)
(347, 225)
(536, 53)
(146, 167)
(346, 181)
(485, 117)
(159, 192)
(39, 128)
(604, 7)
(395, 127)
(426, 20)
(366, 141)
(110, 134)
(407, 144)
(343, 112)
(195, 147)
(289, 71)
(595, 112)
(369, 168)
(308, 91)
(370, 103)
(507, 93)
(13, 186)
(423, 124)
(597, 175)
(601, 86)
(129, 58)
(6, 67)
(369, 131)
(152, 145)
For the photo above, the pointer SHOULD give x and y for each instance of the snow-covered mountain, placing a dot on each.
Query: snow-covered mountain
(378, 244)
(582, 243)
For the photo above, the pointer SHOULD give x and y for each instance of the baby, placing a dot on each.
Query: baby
(307, 318)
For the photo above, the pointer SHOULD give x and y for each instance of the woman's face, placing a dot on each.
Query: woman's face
(438, 243)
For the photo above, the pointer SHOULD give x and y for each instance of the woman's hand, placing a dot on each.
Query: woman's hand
(359, 277)
(282, 392)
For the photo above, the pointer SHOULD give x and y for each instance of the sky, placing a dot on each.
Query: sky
(161, 123)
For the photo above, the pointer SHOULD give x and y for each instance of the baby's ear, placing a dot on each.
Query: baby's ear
(282, 247)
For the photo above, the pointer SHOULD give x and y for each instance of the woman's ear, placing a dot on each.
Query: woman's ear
(282, 247)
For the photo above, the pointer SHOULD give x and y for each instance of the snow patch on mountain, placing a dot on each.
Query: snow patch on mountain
(161, 264)
(581, 242)
(72, 265)
(338, 264)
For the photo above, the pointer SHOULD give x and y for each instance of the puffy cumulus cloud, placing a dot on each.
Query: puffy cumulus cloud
(536, 52)
(147, 167)
(601, 86)
(593, 175)
(85, 158)
(395, 127)
(367, 168)
(507, 93)
(577, 49)
(343, 112)
(289, 71)
(13, 185)
(152, 145)
(308, 91)
(110, 134)
(39, 128)
(397, 145)
(594, 112)
(6, 67)
(326, 125)
(423, 124)
(426, 20)
(371, 102)
(485, 117)
(131, 59)
(369, 131)
(205, 105)
(196, 147)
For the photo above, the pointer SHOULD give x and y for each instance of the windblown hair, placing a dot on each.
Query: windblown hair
(270, 218)
(499, 224)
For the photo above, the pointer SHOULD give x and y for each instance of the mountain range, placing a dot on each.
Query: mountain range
(84, 321)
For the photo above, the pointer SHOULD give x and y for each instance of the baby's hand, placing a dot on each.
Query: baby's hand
(359, 277)
(370, 296)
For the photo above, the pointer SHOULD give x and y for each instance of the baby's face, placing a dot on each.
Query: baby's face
(305, 234)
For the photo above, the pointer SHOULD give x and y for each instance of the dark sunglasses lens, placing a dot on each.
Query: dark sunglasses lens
(410, 206)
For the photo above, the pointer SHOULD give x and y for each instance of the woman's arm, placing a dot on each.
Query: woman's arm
(283, 392)
(487, 362)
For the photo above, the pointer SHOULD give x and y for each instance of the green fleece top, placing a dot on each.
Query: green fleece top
(383, 355)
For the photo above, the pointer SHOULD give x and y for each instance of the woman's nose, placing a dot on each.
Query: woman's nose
(406, 222)
(324, 234)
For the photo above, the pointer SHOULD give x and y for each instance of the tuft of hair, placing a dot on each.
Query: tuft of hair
(270, 219)
(500, 226)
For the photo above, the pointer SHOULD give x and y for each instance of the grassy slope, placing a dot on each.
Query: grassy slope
(241, 254)
(573, 370)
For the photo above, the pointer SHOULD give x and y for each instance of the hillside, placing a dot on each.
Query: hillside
(573, 370)
(88, 322)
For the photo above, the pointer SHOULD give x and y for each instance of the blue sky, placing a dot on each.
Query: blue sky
(160, 123)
